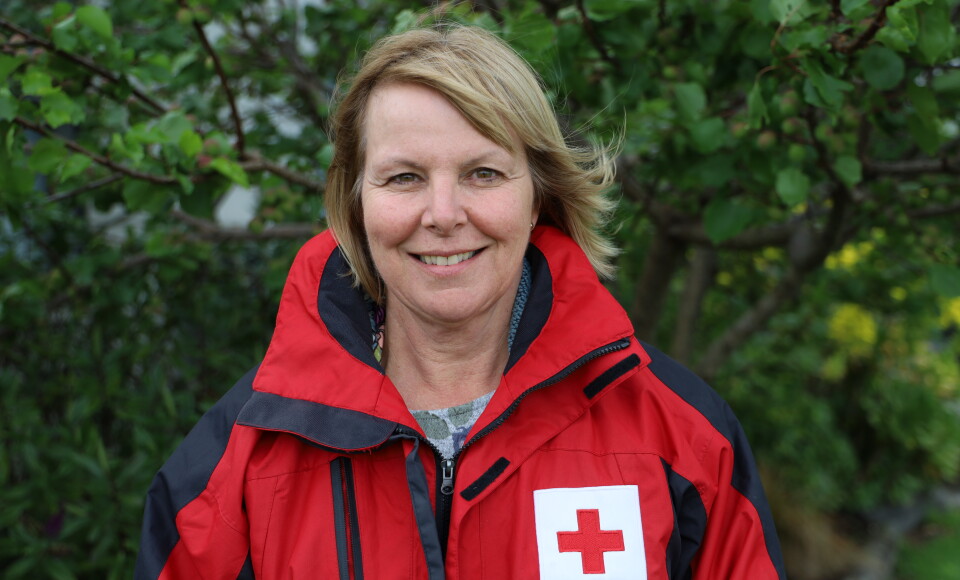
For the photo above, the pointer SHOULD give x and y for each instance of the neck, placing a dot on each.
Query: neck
(437, 365)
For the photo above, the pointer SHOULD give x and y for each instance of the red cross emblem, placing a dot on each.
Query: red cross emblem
(590, 541)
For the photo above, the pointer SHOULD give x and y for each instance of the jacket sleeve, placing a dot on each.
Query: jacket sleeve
(193, 523)
(724, 522)
(740, 541)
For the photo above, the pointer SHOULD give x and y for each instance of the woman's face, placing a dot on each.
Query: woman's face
(447, 212)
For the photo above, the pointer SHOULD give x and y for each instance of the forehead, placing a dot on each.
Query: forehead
(408, 116)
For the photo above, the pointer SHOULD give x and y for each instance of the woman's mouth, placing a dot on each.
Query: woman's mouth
(446, 260)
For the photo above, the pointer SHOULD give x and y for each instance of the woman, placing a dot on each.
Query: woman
(450, 391)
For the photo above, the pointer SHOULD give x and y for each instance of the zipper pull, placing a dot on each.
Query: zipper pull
(446, 472)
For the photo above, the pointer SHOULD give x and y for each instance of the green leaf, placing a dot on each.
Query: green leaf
(8, 105)
(804, 37)
(787, 11)
(849, 170)
(924, 102)
(46, 156)
(200, 205)
(714, 170)
(792, 186)
(811, 95)
(948, 82)
(8, 64)
(756, 107)
(829, 88)
(708, 135)
(231, 170)
(404, 21)
(125, 148)
(75, 165)
(945, 280)
(190, 143)
(64, 34)
(936, 35)
(36, 82)
(171, 127)
(904, 21)
(94, 18)
(883, 68)
(723, 219)
(145, 196)
(893, 38)
(59, 109)
(691, 100)
(848, 7)
(532, 33)
(927, 135)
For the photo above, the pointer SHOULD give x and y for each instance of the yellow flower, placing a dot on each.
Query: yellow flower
(854, 330)
(950, 312)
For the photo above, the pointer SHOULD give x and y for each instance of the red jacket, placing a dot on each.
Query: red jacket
(597, 457)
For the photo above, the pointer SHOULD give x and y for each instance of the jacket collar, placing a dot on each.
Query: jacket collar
(320, 380)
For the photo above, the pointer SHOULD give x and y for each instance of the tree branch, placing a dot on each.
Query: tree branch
(240, 145)
(699, 279)
(84, 62)
(786, 289)
(595, 38)
(911, 167)
(210, 230)
(661, 262)
(661, 213)
(85, 188)
(934, 211)
(752, 239)
(876, 23)
(253, 162)
(306, 84)
(97, 158)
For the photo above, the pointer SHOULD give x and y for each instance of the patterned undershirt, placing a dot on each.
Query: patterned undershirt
(447, 428)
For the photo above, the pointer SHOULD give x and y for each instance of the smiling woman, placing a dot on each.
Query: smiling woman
(450, 391)
(447, 215)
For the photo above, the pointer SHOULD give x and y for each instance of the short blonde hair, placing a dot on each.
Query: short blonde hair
(501, 96)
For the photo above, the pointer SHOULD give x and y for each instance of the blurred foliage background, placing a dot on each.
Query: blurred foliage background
(789, 211)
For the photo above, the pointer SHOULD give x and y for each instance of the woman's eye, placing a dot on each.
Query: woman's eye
(486, 174)
(404, 179)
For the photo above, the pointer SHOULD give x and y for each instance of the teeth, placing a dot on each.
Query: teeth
(446, 260)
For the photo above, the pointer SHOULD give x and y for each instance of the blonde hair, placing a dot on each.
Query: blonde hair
(501, 96)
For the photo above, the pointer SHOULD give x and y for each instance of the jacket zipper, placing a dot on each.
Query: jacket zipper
(445, 472)
(446, 467)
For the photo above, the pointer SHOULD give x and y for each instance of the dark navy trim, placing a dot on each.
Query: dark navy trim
(423, 511)
(355, 548)
(708, 403)
(184, 477)
(488, 477)
(689, 524)
(346, 523)
(332, 427)
(340, 522)
(246, 573)
(611, 374)
(344, 311)
(537, 309)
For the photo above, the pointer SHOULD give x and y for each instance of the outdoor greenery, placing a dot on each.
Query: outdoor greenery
(789, 209)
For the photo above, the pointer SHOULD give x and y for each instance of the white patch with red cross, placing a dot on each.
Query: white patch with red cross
(590, 532)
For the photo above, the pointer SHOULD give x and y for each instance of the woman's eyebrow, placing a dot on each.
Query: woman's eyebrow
(491, 155)
(395, 163)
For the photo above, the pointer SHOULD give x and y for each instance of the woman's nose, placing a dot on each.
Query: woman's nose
(444, 210)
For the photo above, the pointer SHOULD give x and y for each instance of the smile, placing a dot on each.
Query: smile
(446, 260)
